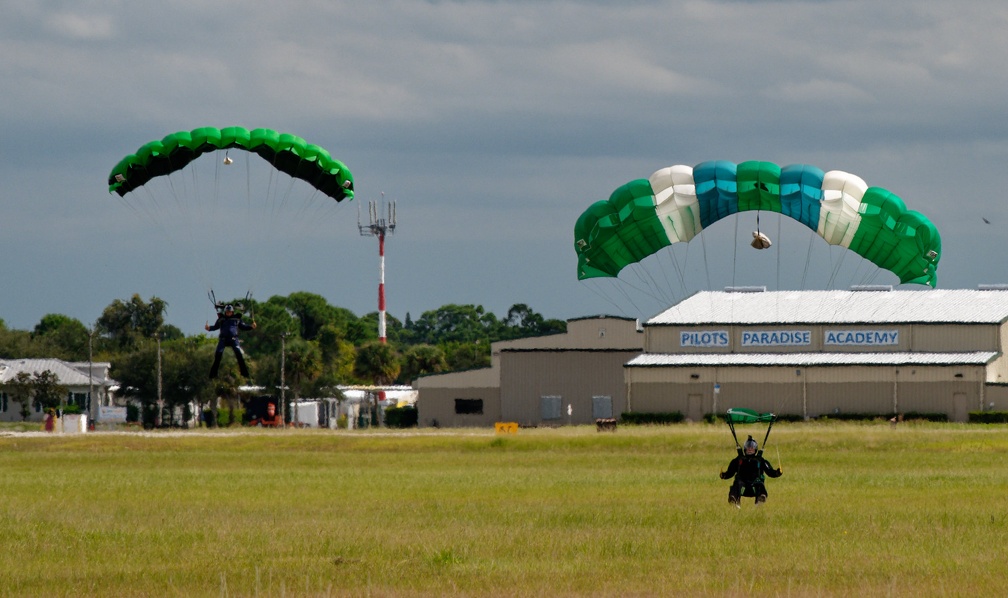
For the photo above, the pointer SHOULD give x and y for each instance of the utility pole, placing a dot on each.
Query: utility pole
(160, 400)
(283, 384)
(382, 221)
(90, 374)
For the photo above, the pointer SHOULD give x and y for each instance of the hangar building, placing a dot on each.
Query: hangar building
(809, 353)
(558, 379)
(802, 353)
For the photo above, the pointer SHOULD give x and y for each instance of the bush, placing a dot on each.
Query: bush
(401, 417)
(988, 417)
(132, 413)
(910, 415)
(229, 417)
(149, 416)
(674, 417)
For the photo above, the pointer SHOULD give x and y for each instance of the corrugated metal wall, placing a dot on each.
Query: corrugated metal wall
(809, 392)
(436, 407)
(574, 376)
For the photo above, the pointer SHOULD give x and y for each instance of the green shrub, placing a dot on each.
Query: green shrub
(910, 415)
(638, 418)
(150, 412)
(401, 417)
(132, 412)
(229, 417)
(988, 417)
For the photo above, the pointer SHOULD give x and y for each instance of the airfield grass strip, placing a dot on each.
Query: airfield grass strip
(862, 509)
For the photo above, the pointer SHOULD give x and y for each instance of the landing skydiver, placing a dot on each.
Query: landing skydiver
(229, 323)
(748, 469)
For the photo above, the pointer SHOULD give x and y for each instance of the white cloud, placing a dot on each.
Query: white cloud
(76, 26)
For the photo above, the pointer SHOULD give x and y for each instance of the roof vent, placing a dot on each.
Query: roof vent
(871, 287)
(745, 289)
(992, 287)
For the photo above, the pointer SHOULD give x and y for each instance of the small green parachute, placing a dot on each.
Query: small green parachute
(738, 415)
(287, 153)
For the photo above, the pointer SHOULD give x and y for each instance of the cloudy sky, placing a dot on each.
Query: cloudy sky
(492, 125)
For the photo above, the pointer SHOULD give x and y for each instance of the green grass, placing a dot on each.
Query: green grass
(862, 510)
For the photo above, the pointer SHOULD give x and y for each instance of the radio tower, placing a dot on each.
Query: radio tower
(382, 221)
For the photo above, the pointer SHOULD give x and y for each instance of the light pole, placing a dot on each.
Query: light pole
(160, 403)
(90, 372)
(283, 364)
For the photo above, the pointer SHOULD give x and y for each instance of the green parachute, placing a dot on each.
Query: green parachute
(287, 153)
(739, 415)
(676, 203)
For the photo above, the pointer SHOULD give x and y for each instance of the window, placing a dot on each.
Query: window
(469, 406)
(549, 406)
(602, 407)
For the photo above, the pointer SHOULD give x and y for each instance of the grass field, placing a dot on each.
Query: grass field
(862, 509)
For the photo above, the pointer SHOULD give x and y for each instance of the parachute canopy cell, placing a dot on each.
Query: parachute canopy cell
(676, 203)
(285, 152)
(738, 415)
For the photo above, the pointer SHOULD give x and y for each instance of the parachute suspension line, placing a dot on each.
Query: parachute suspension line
(626, 296)
(808, 259)
(735, 252)
(778, 287)
(666, 260)
(260, 216)
(703, 246)
(182, 205)
(594, 287)
(835, 271)
(646, 284)
(646, 277)
(735, 262)
(731, 426)
(605, 297)
(778, 251)
(680, 279)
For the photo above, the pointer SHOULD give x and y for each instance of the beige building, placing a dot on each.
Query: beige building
(559, 379)
(809, 353)
(872, 350)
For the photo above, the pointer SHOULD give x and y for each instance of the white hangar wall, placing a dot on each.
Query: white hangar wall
(809, 353)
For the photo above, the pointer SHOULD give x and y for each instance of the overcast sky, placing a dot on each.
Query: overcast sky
(493, 125)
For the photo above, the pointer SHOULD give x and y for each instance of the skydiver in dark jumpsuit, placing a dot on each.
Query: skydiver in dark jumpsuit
(229, 324)
(748, 469)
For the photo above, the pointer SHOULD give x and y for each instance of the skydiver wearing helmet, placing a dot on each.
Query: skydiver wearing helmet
(748, 469)
(229, 323)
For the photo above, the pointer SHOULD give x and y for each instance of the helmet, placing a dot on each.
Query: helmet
(228, 307)
(750, 447)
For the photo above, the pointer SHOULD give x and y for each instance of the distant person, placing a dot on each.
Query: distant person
(748, 469)
(229, 323)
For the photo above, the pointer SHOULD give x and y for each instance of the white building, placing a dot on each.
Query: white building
(88, 385)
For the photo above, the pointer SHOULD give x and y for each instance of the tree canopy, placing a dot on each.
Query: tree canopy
(324, 345)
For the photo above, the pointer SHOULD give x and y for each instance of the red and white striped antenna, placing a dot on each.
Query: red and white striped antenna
(382, 221)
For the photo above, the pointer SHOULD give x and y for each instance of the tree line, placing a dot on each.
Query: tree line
(316, 345)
